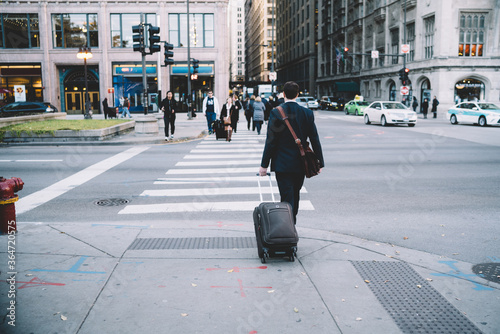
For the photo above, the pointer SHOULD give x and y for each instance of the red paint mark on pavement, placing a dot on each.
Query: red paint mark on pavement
(236, 269)
(253, 332)
(220, 224)
(241, 287)
(36, 281)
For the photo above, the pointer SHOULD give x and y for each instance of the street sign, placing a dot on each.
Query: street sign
(374, 54)
(405, 48)
(405, 90)
(273, 76)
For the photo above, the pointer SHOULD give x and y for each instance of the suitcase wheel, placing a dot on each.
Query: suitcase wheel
(265, 255)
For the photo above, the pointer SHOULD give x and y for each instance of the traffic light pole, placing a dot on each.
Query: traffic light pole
(190, 116)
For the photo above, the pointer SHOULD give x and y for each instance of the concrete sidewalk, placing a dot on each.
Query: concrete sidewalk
(206, 277)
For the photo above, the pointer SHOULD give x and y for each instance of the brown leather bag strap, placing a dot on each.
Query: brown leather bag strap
(297, 140)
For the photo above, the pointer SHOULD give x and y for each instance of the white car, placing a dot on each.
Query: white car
(312, 103)
(389, 112)
(307, 102)
(482, 113)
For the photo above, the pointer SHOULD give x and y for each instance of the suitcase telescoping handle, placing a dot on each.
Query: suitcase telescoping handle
(270, 185)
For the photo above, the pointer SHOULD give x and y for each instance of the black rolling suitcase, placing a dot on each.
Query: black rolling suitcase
(218, 127)
(275, 228)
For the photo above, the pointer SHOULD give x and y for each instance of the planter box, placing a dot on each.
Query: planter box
(71, 135)
(6, 121)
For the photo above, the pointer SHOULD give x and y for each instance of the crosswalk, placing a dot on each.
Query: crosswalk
(215, 176)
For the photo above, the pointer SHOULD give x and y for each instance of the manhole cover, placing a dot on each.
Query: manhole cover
(111, 202)
(488, 271)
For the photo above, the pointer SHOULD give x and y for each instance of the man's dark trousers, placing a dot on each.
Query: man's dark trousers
(289, 185)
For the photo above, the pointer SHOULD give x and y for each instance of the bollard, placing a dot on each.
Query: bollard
(8, 188)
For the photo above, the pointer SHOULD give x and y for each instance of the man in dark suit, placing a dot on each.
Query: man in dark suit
(282, 151)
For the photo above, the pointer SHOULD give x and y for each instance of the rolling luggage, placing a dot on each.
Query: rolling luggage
(274, 228)
(218, 127)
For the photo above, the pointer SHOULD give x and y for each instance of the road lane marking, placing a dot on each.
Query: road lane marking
(221, 156)
(208, 179)
(214, 191)
(33, 160)
(219, 163)
(200, 171)
(228, 150)
(305, 205)
(43, 196)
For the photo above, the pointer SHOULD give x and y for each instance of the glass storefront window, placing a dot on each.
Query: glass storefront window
(19, 31)
(75, 30)
(201, 30)
(121, 28)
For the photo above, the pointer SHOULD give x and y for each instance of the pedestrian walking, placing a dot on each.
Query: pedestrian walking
(168, 107)
(210, 110)
(425, 107)
(249, 112)
(259, 109)
(415, 104)
(126, 106)
(226, 116)
(435, 104)
(282, 152)
(236, 115)
(105, 107)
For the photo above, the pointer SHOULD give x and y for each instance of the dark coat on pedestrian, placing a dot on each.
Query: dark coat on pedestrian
(169, 106)
(414, 104)
(105, 107)
(280, 149)
(425, 107)
(435, 103)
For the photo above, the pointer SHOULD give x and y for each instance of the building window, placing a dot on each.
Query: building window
(429, 37)
(395, 45)
(367, 89)
(201, 30)
(19, 31)
(74, 30)
(121, 28)
(410, 33)
(472, 32)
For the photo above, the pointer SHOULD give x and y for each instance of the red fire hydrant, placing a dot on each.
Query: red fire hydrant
(8, 188)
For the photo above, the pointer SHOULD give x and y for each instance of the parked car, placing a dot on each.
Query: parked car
(328, 103)
(307, 102)
(389, 112)
(312, 103)
(26, 108)
(356, 107)
(481, 113)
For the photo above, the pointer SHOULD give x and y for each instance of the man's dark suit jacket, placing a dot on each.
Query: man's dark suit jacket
(281, 149)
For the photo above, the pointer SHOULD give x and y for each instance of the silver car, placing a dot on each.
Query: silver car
(307, 102)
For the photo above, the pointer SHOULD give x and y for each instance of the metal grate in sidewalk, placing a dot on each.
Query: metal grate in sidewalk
(414, 305)
(193, 243)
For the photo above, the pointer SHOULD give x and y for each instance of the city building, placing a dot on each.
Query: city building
(454, 49)
(258, 41)
(237, 44)
(39, 42)
(296, 25)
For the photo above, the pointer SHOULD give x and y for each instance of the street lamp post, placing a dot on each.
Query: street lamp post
(85, 53)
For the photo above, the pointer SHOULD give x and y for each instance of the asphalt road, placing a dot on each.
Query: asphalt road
(434, 187)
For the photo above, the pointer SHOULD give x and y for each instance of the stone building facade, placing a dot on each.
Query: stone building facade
(39, 42)
(454, 49)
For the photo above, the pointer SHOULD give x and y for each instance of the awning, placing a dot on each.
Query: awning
(347, 86)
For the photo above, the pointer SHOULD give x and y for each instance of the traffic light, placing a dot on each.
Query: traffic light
(154, 38)
(138, 37)
(406, 80)
(196, 65)
(402, 74)
(345, 53)
(168, 54)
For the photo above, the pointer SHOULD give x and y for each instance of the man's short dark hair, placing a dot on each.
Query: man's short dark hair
(291, 90)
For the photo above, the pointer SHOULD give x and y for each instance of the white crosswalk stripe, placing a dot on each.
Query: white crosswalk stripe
(210, 178)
